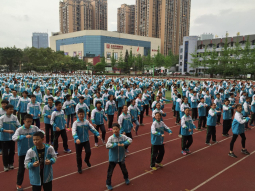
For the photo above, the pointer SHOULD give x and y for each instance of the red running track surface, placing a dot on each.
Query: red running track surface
(207, 168)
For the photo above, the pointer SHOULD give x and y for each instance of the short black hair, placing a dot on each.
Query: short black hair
(81, 97)
(14, 90)
(28, 116)
(39, 134)
(116, 125)
(81, 111)
(57, 103)
(158, 113)
(51, 98)
(68, 96)
(98, 102)
(25, 92)
(179, 96)
(33, 96)
(5, 101)
(9, 106)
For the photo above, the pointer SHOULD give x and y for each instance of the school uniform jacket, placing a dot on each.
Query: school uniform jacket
(25, 143)
(227, 114)
(134, 111)
(212, 117)
(238, 123)
(157, 130)
(8, 123)
(201, 109)
(98, 117)
(80, 130)
(34, 172)
(58, 120)
(110, 107)
(117, 153)
(125, 123)
(34, 109)
(47, 111)
(187, 124)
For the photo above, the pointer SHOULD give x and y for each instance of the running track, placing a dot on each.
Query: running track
(207, 168)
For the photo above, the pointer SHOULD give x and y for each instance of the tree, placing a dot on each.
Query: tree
(113, 60)
(224, 59)
(11, 57)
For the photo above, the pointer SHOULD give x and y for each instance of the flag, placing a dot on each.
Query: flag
(138, 48)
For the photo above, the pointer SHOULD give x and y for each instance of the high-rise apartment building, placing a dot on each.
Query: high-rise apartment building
(40, 40)
(99, 14)
(165, 19)
(126, 19)
(77, 15)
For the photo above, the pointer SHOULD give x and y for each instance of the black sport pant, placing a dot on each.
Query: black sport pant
(8, 152)
(22, 118)
(177, 117)
(157, 154)
(21, 170)
(146, 108)
(49, 133)
(186, 141)
(64, 138)
(211, 133)
(79, 148)
(218, 118)
(46, 187)
(194, 113)
(102, 128)
(202, 122)
(111, 168)
(110, 121)
(36, 122)
(119, 111)
(226, 126)
(141, 116)
(234, 140)
(130, 136)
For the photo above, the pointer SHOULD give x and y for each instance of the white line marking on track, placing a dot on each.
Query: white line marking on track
(225, 169)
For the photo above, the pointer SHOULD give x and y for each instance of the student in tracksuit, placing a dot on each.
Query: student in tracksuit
(4, 103)
(134, 111)
(126, 124)
(227, 118)
(140, 104)
(47, 112)
(202, 113)
(187, 131)
(34, 108)
(116, 145)
(121, 102)
(24, 137)
(158, 110)
(218, 103)
(13, 100)
(178, 103)
(82, 105)
(238, 128)
(69, 110)
(97, 117)
(211, 123)
(39, 160)
(110, 109)
(8, 125)
(194, 102)
(59, 127)
(80, 134)
(157, 138)
(22, 105)
(246, 110)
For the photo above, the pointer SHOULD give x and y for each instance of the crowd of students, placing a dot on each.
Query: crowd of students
(67, 101)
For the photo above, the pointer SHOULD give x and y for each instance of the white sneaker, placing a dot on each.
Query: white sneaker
(180, 136)
(11, 166)
(127, 151)
(103, 141)
(6, 169)
(96, 144)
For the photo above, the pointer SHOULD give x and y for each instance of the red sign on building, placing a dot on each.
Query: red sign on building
(108, 46)
(113, 46)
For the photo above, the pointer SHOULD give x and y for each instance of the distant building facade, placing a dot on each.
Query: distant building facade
(40, 40)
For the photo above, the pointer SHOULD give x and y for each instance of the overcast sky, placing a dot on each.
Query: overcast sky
(20, 18)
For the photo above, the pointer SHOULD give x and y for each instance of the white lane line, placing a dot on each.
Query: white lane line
(108, 161)
(225, 169)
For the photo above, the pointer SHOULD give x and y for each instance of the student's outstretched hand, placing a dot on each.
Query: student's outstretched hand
(98, 137)
(121, 145)
(49, 116)
(78, 141)
(123, 133)
(57, 128)
(190, 130)
(163, 135)
(65, 125)
(36, 164)
(95, 125)
(28, 136)
(170, 133)
(196, 129)
(9, 131)
(47, 162)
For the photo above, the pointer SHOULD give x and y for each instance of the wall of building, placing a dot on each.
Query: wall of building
(73, 49)
(94, 41)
